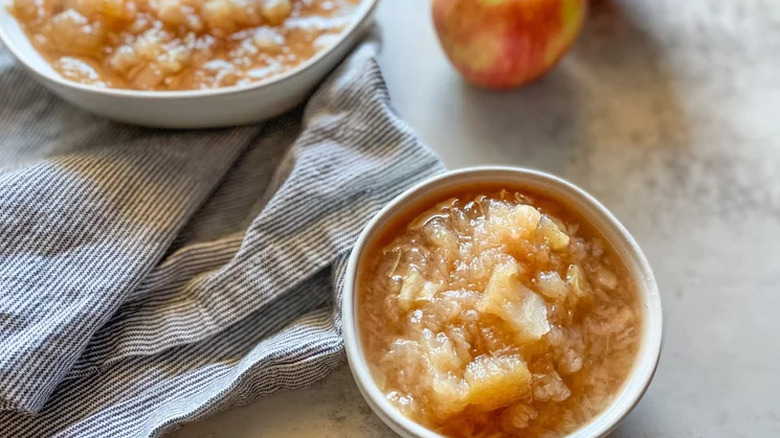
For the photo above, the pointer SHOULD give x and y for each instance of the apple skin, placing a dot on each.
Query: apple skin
(506, 43)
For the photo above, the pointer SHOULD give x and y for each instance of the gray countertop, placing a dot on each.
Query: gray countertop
(668, 112)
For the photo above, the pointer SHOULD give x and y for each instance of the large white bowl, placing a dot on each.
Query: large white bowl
(225, 106)
(555, 188)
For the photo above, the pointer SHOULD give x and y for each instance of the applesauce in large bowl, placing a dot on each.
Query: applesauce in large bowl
(496, 312)
(179, 44)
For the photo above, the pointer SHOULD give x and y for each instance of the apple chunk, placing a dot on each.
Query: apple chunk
(507, 298)
(415, 288)
(496, 381)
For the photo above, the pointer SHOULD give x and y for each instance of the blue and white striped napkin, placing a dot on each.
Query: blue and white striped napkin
(149, 278)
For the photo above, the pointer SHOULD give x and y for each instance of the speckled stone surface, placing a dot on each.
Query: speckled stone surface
(668, 111)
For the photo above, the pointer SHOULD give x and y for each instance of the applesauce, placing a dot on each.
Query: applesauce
(497, 313)
(179, 44)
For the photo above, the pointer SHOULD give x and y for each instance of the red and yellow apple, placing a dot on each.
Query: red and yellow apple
(506, 43)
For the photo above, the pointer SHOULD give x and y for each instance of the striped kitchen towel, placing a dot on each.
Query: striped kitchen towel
(149, 278)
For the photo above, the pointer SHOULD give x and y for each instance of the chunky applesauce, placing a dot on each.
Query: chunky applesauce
(179, 44)
(497, 313)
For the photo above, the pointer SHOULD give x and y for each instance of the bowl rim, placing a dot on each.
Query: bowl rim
(647, 357)
(364, 12)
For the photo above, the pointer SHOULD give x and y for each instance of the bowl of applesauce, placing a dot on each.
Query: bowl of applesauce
(500, 302)
(182, 63)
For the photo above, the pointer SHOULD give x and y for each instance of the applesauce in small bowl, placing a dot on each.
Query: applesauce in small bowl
(494, 302)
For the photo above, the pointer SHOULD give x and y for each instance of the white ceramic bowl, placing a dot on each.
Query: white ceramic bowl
(226, 106)
(555, 188)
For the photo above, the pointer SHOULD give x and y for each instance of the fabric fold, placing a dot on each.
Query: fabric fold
(232, 297)
(334, 186)
(80, 232)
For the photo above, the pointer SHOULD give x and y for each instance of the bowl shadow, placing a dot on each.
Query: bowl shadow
(611, 94)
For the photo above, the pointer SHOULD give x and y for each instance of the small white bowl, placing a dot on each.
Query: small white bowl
(590, 209)
(226, 106)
